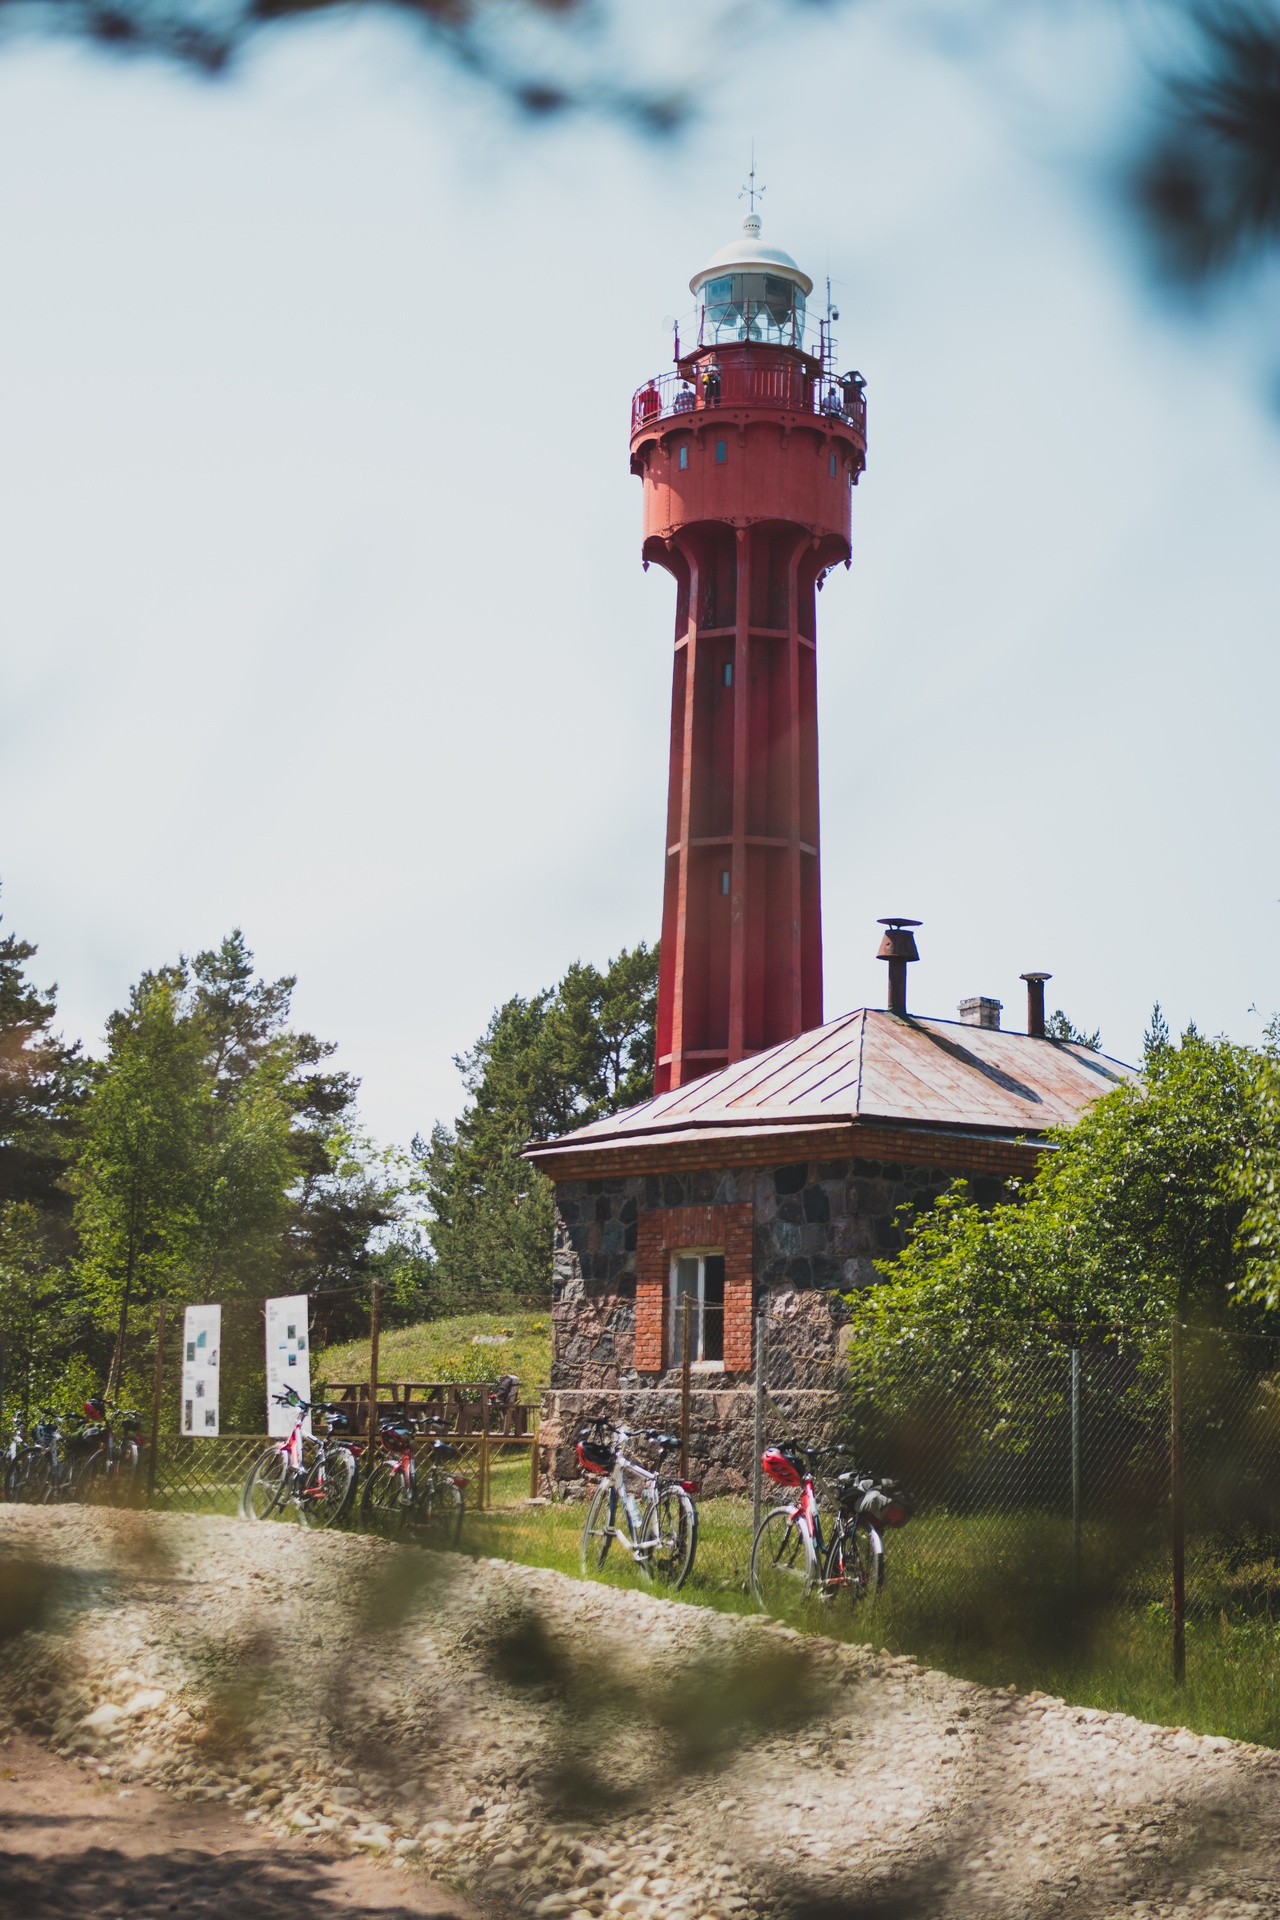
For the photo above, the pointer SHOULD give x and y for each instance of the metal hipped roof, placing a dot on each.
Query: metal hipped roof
(873, 1065)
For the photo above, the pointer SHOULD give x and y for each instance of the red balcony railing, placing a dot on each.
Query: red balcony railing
(755, 382)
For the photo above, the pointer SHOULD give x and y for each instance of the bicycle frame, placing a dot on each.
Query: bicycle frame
(116, 1450)
(808, 1518)
(642, 1522)
(807, 1515)
(296, 1470)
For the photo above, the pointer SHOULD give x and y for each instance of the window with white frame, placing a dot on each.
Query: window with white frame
(697, 1275)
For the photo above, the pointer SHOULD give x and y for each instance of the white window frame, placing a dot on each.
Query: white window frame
(698, 1361)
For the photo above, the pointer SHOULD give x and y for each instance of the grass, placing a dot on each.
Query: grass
(990, 1598)
(471, 1346)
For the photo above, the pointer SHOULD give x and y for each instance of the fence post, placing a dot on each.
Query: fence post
(535, 1464)
(156, 1388)
(686, 1381)
(483, 1475)
(1176, 1510)
(757, 1427)
(1075, 1469)
(375, 1304)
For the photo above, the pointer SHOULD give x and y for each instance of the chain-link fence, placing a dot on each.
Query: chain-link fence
(1081, 1519)
(450, 1379)
(1074, 1511)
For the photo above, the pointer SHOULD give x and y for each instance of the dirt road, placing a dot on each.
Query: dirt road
(72, 1843)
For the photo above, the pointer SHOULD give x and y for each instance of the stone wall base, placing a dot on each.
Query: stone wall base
(720, 1430)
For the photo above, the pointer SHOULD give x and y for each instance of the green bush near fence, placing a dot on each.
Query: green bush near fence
(471, 1346)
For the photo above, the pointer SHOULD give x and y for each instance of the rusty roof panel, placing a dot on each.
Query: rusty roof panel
(885, 1066)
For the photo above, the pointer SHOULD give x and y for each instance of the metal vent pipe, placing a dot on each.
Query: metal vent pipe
(898, 947)
(1035, 1003)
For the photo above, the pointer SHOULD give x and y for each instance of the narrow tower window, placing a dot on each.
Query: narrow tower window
(684, 457)
(728, 673)
(724, 879)
(721, 455)
(833, 466)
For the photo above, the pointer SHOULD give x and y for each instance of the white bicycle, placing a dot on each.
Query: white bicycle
(658, 1527)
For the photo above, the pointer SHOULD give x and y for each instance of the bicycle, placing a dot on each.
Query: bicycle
(53, 1477)
(110, 1451)
(659, 1530)
(32, 1460)
(317, 1478)
(400, 1501)
(792, 1563)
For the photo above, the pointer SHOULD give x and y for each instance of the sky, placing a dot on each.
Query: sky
(321, 606)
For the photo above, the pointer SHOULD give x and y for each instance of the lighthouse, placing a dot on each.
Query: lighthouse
(748, 451)
(707, 1239)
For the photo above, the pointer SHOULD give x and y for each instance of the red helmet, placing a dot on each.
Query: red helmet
(593, 1457)
(780, 1467)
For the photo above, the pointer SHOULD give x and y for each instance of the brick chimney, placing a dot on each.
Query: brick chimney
(980, 1011)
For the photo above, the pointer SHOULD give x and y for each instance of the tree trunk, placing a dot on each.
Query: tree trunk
(117, 1357)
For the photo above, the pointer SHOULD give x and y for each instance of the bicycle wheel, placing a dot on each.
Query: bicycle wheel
(126, 1485)
(784, 1568)
(437, 1513)
(266, 1486)
(329, 1488)
(855, 1565)
(17, 1478)
(59, 1483)
(597, 1529)
(383, 1507)
(90, 1483)
(38, 1481)
(675, 1519)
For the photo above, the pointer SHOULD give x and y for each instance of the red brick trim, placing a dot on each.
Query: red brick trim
(764, 1147)
(659, 1231)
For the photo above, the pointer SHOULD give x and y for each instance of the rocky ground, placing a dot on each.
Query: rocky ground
(554, 1748)
(71, 1842)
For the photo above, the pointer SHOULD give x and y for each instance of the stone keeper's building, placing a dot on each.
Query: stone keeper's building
(774, 1185)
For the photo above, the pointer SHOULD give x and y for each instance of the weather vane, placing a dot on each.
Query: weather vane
(752, 191)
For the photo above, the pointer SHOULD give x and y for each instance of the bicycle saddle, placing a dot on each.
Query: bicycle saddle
(664, 1440)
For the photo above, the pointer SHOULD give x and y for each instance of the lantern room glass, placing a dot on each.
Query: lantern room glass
(763, 307)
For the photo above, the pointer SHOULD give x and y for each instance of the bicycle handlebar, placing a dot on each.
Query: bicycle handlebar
(292, 1398)
(654, 1435)
(815, 1453)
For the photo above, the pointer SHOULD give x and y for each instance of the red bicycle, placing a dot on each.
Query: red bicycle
(107, 1455)
(404, 1500)
(792, 1563)
(316, 1478)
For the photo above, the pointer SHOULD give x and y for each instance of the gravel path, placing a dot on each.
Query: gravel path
(73, 1843)
(563, 1749)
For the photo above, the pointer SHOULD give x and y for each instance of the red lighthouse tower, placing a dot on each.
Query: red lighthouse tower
(748, 452)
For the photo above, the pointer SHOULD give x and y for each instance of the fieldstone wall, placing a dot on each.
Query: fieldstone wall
(720, 1431)
(819, 1227)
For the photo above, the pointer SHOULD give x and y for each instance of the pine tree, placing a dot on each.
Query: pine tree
(570, 1054)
